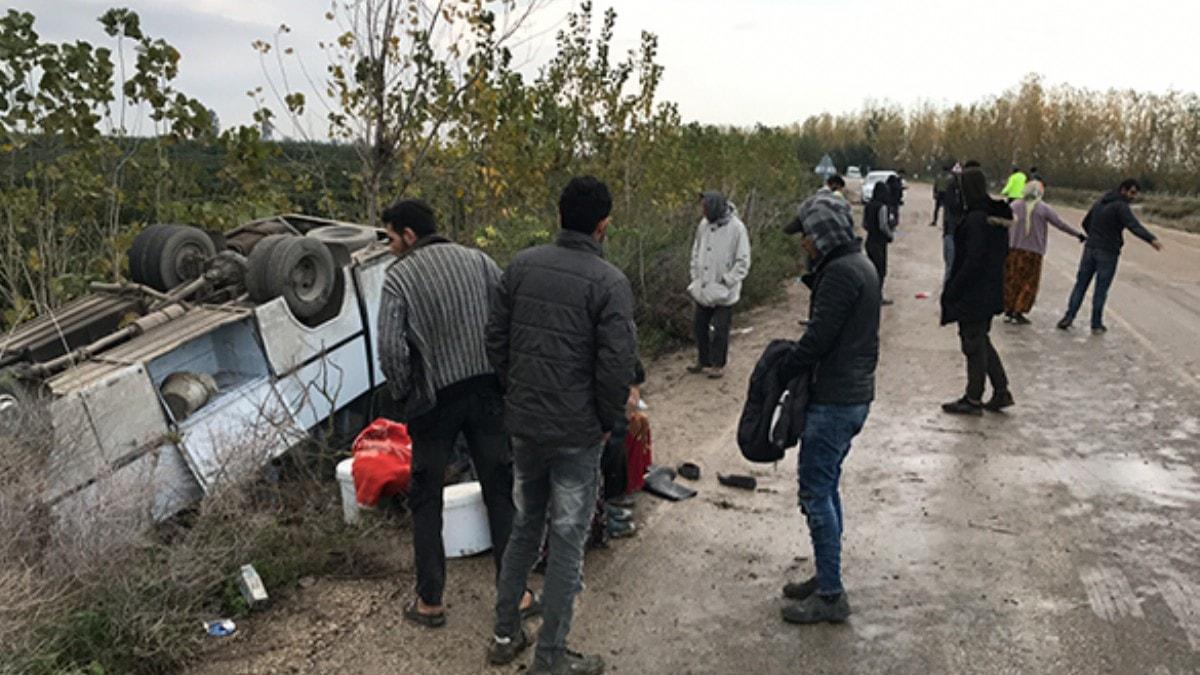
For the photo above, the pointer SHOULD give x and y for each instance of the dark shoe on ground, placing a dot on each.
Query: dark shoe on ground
(427, 620)
(1063, 323)
(1019, 318)
(1008, 317)
(618, 513)
(571, 663)
(800, 590)
(963, 407)
(886, 301)
(696, 369)
(818, 609)
(1099, 330)
(716, 373)
(503, 651)
(1000, 400)
(619, 529)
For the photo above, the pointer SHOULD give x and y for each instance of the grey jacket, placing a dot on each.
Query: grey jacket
(720, 261)
(432, 318)
(563, 341)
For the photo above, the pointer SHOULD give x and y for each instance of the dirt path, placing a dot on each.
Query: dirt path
(1060, 538)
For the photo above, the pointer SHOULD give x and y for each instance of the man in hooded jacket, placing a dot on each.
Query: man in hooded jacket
(974, 293)
(841, 348)
(720, 262)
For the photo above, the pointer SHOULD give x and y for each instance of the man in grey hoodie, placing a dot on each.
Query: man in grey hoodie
(720, 262)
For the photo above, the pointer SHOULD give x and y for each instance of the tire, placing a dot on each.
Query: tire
(257, 266)
(351, 237)
(170, 255)
(301, 270)
(144, 241)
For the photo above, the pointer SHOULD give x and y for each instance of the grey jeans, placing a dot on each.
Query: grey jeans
(562, 481)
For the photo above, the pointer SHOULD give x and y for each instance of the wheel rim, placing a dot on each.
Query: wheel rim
(308, 279)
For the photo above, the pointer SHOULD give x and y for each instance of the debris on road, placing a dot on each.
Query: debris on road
(250, 585)
(220, 627)
(660, 481)
(689, 471)
(738, 481)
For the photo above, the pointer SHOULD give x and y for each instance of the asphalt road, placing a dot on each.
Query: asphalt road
(1062, 537)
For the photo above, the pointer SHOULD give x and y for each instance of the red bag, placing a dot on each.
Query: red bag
(640, 451)
(382, 461)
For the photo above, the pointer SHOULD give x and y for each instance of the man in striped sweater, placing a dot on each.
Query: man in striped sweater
(432, 322)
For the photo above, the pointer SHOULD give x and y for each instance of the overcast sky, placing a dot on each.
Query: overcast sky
(745, 61)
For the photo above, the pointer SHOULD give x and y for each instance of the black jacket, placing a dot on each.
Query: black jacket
(1107, 220)
(974, 291)
(841, 344)
(563, 342)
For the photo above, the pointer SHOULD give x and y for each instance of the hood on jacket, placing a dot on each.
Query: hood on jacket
(881, 193)
(1113, 196)
(826, 219)
(717, 208)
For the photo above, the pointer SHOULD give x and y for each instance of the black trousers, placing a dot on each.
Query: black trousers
(478, 414)
(877, 252)
(982, 360)
(712, 334)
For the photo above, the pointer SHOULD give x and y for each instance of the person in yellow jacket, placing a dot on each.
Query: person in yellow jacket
(1015, 188)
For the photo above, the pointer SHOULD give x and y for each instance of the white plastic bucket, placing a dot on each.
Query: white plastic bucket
(465, 528)
(345, 477)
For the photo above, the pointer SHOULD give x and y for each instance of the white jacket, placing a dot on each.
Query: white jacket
(720, 261)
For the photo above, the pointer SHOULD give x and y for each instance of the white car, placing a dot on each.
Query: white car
(853, 172)
(872, 178)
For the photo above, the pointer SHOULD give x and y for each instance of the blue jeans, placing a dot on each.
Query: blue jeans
(563, 481)
(1103, 266)
(828, 430)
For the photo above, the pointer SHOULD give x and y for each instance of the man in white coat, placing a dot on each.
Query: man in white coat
(720, 261)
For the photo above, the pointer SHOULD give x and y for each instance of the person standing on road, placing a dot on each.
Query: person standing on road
(940, 185)
(432, 318)
(974, 293)
(1026, 248)
(1015, 187)
(720, 262)
(895, 197)
(877, 221)
(841, 344)
(1105, 224)
(563, 342)
(951, 216)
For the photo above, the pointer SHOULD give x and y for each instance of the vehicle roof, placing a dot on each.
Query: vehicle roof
(882, 173)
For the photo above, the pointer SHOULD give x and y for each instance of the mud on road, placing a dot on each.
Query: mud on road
(1062, 537)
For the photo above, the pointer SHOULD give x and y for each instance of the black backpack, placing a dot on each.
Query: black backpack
(773, 415)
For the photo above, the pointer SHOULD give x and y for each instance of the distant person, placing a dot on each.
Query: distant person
(432, 320)
(895, 186)
(836, 184)
(1105, 224)
(563, 342)
(1034, 174)
(720, 262)
(1015, 187)
(974, 293)
(840, 345)
(952, 215)
(1026, 248)
(940, 185)
(877, 221)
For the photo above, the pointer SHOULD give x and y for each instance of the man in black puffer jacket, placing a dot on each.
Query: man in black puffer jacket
(841, 347)
(563, 342)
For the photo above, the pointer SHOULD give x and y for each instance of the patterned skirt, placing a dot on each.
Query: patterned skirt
(1022, 274)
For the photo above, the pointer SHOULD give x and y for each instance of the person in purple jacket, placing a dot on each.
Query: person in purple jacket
(1026, 248)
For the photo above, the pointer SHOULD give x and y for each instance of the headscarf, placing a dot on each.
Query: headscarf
(825, 218)
(1032, 196)
(716, 207)
(974, 187)
(881, 193)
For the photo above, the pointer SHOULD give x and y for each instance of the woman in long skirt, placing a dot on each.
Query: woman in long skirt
(1026, 248)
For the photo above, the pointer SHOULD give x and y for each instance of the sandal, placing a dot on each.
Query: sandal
(427, 620)
(534, 608)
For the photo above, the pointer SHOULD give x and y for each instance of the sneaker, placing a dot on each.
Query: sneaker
(571, 663)
(1021, 319)
(618, 513)
(1099, 330)
(503, 651)
(716, 373)
(1000, 400)
(619, 529)
(817, 609)
(696, 369)
(799, 590)
(963, 407)
(1063, 323)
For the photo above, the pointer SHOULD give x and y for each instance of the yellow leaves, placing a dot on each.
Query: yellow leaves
(33, 261)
